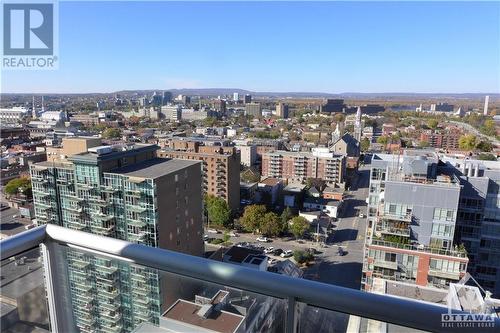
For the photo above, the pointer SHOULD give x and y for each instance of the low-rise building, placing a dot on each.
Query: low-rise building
(293, 166)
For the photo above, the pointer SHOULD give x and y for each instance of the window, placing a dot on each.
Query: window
(443, 230)
(442, 214)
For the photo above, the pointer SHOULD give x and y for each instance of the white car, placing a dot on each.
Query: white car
(262, 239)
(362, 215)
(272, 261)
(233, 234)
(286, 254)
(212, 231)
(269, 250)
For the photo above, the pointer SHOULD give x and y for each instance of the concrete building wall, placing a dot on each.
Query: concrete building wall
(248, 155)
(79, 145)
(423, 199)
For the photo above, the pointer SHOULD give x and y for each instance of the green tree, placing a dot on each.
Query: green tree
(286, 216)
(226, 238)
(485, 146)
(423, 144)
(467, 142)
(302, 257)
(112, 133)
(432, 123)
(218, 211)
(319, 183)
(299, 226)
(210, 121)
(365, 144)
(253, 217)
(18, 185)
(271, 225)
(486, 157)
(383, 140)
(489, 127)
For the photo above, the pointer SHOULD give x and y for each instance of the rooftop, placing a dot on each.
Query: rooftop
(217, 321)
(154, 168)
(117, 151)
(239, 254)
(270, 181)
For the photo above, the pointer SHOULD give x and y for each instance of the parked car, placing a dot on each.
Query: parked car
(269, 250)
(277, 252)
(262, 239)
(361, 215)
(213, 231)
(286, 254)
(233, 234)
(272, 261)
(3, 207)
(205, 237)
(341, 251)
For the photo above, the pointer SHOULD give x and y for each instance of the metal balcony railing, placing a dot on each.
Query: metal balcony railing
(294, 292)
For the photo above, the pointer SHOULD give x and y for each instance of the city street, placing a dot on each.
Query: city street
(348, 233)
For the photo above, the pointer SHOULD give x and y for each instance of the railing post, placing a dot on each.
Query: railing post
(291, 321)
(57, 288)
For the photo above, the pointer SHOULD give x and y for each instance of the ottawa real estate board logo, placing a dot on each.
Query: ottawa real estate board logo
(30, 35)
(476, 312)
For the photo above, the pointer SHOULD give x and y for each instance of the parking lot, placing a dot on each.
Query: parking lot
(11, 223)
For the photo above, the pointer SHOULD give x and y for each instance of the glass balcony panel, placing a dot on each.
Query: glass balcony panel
(124, 296)
(22, 294)
(315, 319)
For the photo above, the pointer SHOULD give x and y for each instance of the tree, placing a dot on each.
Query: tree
(218, 211)
(271, 225)
(286, 215)
(423, 144)
(489, 127)
(253, 217)
(14, 186)
(319, 183)
(485, 146)
(111, 133)
(299, 226)
(486, 157)
(432, 123)
(383, 140)
(210, 121)
(365, 144)
(302, 257)
(467, 142)
(226, 237)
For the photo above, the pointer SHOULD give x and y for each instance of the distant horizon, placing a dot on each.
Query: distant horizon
(233, 90)
(315, 47)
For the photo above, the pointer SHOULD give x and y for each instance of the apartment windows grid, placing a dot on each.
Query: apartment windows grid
(397, 209)
(442, 214)
(443, 230)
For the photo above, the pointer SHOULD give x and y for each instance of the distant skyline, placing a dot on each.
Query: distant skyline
(329, 47)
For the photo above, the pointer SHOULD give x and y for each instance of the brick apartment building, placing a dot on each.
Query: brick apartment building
(221, 166)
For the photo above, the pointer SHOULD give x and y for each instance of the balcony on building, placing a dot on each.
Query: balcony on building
(82, 273)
